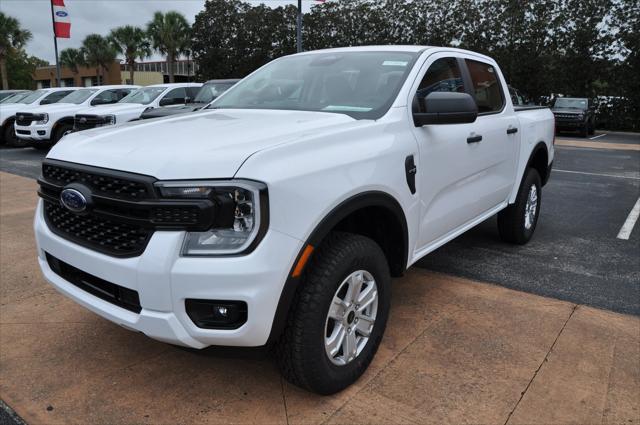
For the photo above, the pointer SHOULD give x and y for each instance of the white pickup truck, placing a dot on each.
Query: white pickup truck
(30, 101)
(131, 107)
(279, 215)
(45, 125)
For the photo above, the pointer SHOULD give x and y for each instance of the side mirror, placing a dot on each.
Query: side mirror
(188, 100)
(97, 101)
(46, 102)
(167, 101)
(444, 108)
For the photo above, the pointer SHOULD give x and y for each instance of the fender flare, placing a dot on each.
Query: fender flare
(337, 214)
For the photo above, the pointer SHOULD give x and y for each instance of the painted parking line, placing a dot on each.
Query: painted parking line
(627, 227)
(597, 174)
(597, 145)
(598, 136)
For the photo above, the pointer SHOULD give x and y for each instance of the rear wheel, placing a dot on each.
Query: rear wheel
(592, 129)
(338, 316)
(517, 222)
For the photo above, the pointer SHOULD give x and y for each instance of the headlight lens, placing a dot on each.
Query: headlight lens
(238, 214)
(42, 118)
(109, 120)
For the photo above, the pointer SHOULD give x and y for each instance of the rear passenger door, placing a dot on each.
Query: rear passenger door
(496, 154)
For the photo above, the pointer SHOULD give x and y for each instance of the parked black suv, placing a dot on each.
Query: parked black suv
(209, 91)
(574, 114)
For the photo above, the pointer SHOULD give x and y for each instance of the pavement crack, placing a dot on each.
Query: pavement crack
(284, 400)
(575, 306)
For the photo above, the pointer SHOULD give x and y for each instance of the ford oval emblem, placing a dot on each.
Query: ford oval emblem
(61, 13)
(73, 200)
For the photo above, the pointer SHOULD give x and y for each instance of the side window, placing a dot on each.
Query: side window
(443, 75)
(192, 92)
(55, 97)
(106, 97)
(174, 97)
(122, 93)
(487, 89)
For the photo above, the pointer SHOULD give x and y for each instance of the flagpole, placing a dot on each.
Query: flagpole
(55, 44)
(299, 27)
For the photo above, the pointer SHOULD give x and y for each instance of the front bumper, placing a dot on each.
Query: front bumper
(164, 280)
(33, 132)
(569, 124)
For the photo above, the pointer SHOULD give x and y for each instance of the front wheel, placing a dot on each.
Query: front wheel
(517, 222)
(11, 139)
(338, 317)
(61, 131)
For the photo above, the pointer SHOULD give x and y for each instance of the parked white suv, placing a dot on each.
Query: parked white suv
(280, 216)
(131, 107)
(32, 100)
(46, 125)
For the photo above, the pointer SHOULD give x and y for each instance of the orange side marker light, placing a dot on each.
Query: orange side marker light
(306, 254)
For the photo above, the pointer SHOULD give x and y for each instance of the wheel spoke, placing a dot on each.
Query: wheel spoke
(336, 340)
(349, 346)
(369, 295)
(364, 326)
(355, 285)
(336, 310)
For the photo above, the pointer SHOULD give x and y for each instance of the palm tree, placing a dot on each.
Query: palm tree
(12, 37)
(98, 52)
(72, 59)
(170, 34)
(132, 43)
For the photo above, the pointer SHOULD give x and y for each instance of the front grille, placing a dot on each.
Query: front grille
(23, 132)
(104, 184)
(123, 209)
(99, 233)
(110, 292)
(85, 122)
(24, 119)
(568, 117)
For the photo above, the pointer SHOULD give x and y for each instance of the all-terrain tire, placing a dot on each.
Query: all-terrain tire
(300, 352)
(513, 225)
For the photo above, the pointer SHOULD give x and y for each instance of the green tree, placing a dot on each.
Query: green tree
(12, 39)
(20, 69)
(73, 59)
(170, 35)
(99, 53)
(132, 42)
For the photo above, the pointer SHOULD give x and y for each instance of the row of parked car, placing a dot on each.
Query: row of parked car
(42, 117)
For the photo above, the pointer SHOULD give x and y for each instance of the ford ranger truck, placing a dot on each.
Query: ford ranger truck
(132, 106)
(45, 125)
(279, 215)
(30, 101)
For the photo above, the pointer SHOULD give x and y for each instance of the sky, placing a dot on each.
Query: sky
(98, 16)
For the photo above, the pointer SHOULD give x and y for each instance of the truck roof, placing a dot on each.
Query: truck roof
(395, 48)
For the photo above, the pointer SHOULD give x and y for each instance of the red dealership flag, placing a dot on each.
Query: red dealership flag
(61, 21)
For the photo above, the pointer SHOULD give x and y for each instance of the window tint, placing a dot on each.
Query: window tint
(106, 97)
(174, 97)
(443, 75)
(488, 93)
(55, 97)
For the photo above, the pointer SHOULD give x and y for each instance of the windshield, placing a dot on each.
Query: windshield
(566, 102)
(362, 85)
(210, 91)
(14, 98)
(32, 97)
(78, 96)
(144, 96)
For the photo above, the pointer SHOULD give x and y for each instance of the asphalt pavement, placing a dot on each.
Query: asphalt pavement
(575, 254)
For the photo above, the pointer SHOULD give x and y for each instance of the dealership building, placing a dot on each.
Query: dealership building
(146, 73)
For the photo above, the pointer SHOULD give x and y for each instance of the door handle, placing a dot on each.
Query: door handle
(512, 130)
(474, 139)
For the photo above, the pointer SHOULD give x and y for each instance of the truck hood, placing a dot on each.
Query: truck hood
(10, 109)
(56, 108)
(113, 109)
(202, 145)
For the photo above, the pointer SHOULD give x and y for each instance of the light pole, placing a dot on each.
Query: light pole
(299, 28)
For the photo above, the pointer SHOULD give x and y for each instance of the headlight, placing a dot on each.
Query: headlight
(42, 118)
(109, 120)
(241, 216)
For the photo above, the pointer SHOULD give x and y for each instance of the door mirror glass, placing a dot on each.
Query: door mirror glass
(445, 108)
